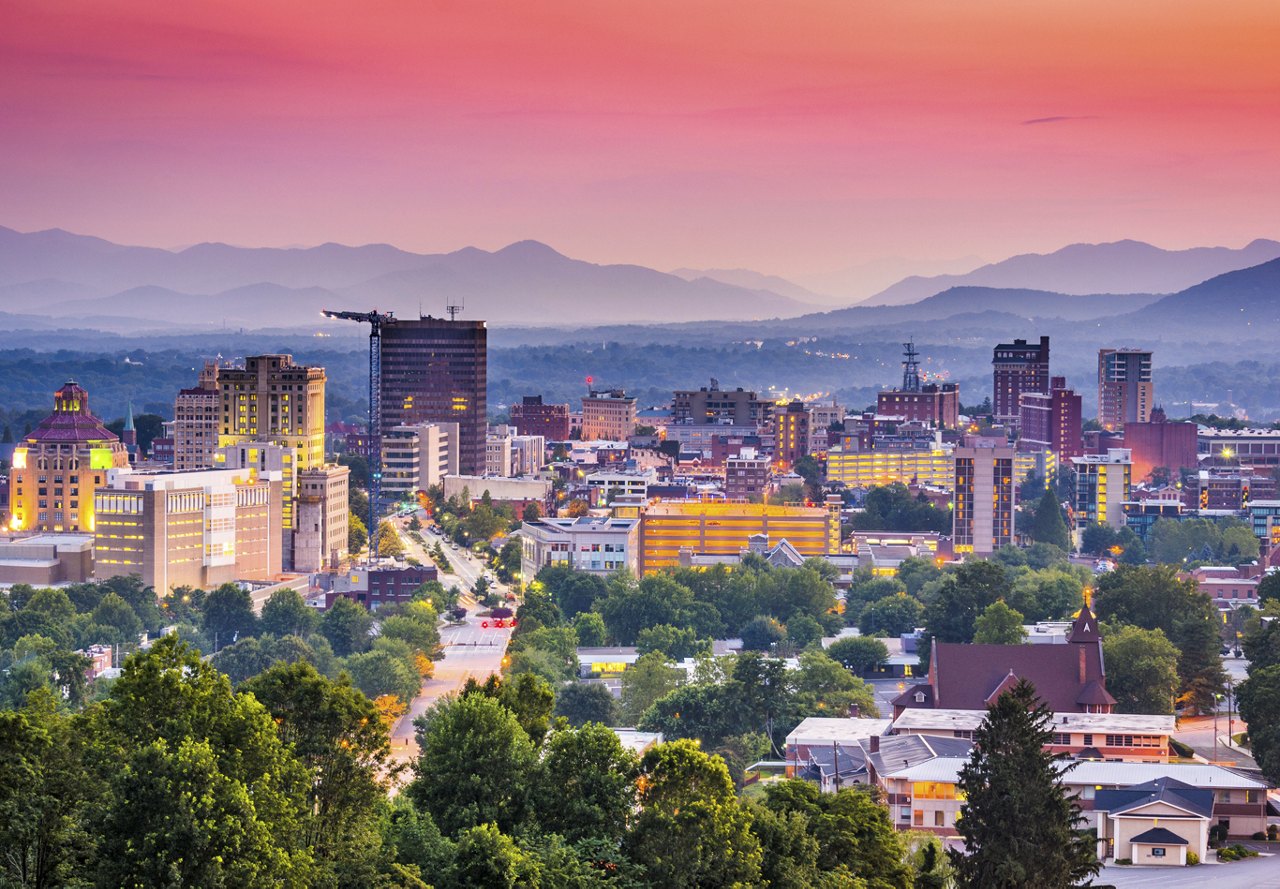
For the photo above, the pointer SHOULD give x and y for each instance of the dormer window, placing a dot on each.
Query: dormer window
(919, 697)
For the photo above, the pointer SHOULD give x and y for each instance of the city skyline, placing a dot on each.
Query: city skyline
(720, 137)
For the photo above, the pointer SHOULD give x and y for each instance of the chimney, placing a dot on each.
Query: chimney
(1082, 673)
(873, 745)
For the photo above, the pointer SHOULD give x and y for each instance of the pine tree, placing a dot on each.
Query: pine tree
(1049, 526)
(1018, 824)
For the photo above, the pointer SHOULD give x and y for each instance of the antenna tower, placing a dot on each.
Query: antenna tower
(910, 367)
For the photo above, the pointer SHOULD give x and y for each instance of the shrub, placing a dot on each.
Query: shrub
(1124, 861)
(1260, 835)
(1272, 830)
(1181, 749)
(1192, 859)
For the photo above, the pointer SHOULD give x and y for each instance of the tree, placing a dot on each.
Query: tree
(583, 702)
(961, 596)
(357, 533)
(858, 654)
(1259, 698)
(285, 614)
(1098, 539)
(203, 791)
(691, 830)
(587, 785)
(891, 616)
(590, 629)
(532, 512)
(999, 625)
(389, 543)
(475, 765)
(676, 643)
(379, 672)
(486, 858)
(648, 679)
(115, 612)
(1020, 827)
(336, 732)
(1269, 588)
(762, 633)
(822, 685)
(1142, 669)
(346, 625)
(577, 508)
(790, 859)
(228, 614)
(1049, 526)
(803, 631)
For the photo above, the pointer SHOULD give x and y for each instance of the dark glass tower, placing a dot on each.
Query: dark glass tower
(435, 371)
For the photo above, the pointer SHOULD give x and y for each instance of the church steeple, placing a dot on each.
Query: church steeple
(129, 435)
(1084, 628)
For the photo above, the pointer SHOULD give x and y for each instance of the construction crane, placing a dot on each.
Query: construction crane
(375, 320)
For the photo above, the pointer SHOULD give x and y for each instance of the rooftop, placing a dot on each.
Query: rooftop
(817, 729)
(915, 719)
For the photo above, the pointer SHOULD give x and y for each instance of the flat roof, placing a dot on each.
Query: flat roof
(816, 729)
(969, 720)
(946, 769)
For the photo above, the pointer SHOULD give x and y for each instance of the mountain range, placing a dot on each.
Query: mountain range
(55, 278)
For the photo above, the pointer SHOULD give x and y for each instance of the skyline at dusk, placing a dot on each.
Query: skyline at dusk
(715, 135)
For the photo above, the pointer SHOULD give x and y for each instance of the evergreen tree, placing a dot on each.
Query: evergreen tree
(1018, 824)
(1049, 526)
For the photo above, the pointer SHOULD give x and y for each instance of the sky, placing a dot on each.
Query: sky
(792, 138)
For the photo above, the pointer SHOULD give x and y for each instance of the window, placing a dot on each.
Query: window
(939, 819)
(1088, 740)
(917, 818)
(1157, 852)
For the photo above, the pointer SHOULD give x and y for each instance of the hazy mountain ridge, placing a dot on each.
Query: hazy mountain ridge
(526, 282)
(1081, 269)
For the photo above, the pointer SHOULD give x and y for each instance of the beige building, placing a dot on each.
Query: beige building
(668, 527)
(196, 422)
(985, 497)
(58, 466)
(608, 415)
(271, 399)
(415, 458)
(323, 515)
(200, 529)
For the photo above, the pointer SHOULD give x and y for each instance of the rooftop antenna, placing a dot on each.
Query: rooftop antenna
(454, 306)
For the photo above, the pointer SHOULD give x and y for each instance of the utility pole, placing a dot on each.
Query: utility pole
(375, 320)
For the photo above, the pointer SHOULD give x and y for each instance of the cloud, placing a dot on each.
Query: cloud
(1059, 118)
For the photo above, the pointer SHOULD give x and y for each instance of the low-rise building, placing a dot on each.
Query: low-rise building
(746, 476)
(323, 514)
(1114, 737)
(46, 559)
(373, 587)
(595, 544)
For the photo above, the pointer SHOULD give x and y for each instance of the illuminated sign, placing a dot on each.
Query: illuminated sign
(101, 458)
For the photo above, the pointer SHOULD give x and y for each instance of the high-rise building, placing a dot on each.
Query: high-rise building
(938, 405)
(985, 498)
(532, 417)
(58, 465)
(1017, 367)
(1125, 391)
(415, 458)
(197, 422)
(711, 404)
(1102, 485)
(608, 415)
(1052, 420)
(791, 427)
(435, 370)
(198, 529)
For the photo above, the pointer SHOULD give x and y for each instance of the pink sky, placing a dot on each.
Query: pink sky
(789, 138)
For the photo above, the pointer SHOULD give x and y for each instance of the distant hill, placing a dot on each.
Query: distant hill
(527, 282)
(1237, 304)
(1118, 267)
(757, 281)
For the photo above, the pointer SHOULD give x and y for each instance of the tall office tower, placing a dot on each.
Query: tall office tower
(275, 401)
(195, 422)
(791, 433)
(58, 465)
(608, 415)
(715, 405)
(435, 371)
(1125, 391)
(415, 458)
(1017, 367)
(1052, 420)
(982, 521)
(532, 417)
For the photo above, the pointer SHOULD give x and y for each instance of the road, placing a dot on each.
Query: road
(470, 649)
(1252, 873)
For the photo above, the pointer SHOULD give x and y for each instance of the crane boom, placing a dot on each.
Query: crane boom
(375, 320)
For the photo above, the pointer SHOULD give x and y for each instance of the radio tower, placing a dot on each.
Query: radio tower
(454, 306)
(375, 320)
(910, 367)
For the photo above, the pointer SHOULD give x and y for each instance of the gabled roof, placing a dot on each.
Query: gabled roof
(1170, 791)
(967, 675)
(1158, 836)
(1094, 695)
(904, 751)
(1006, 684)
(908, 699)
(1085, 627)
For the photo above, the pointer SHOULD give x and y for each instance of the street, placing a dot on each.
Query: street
(470, 649)
(1252, 873)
